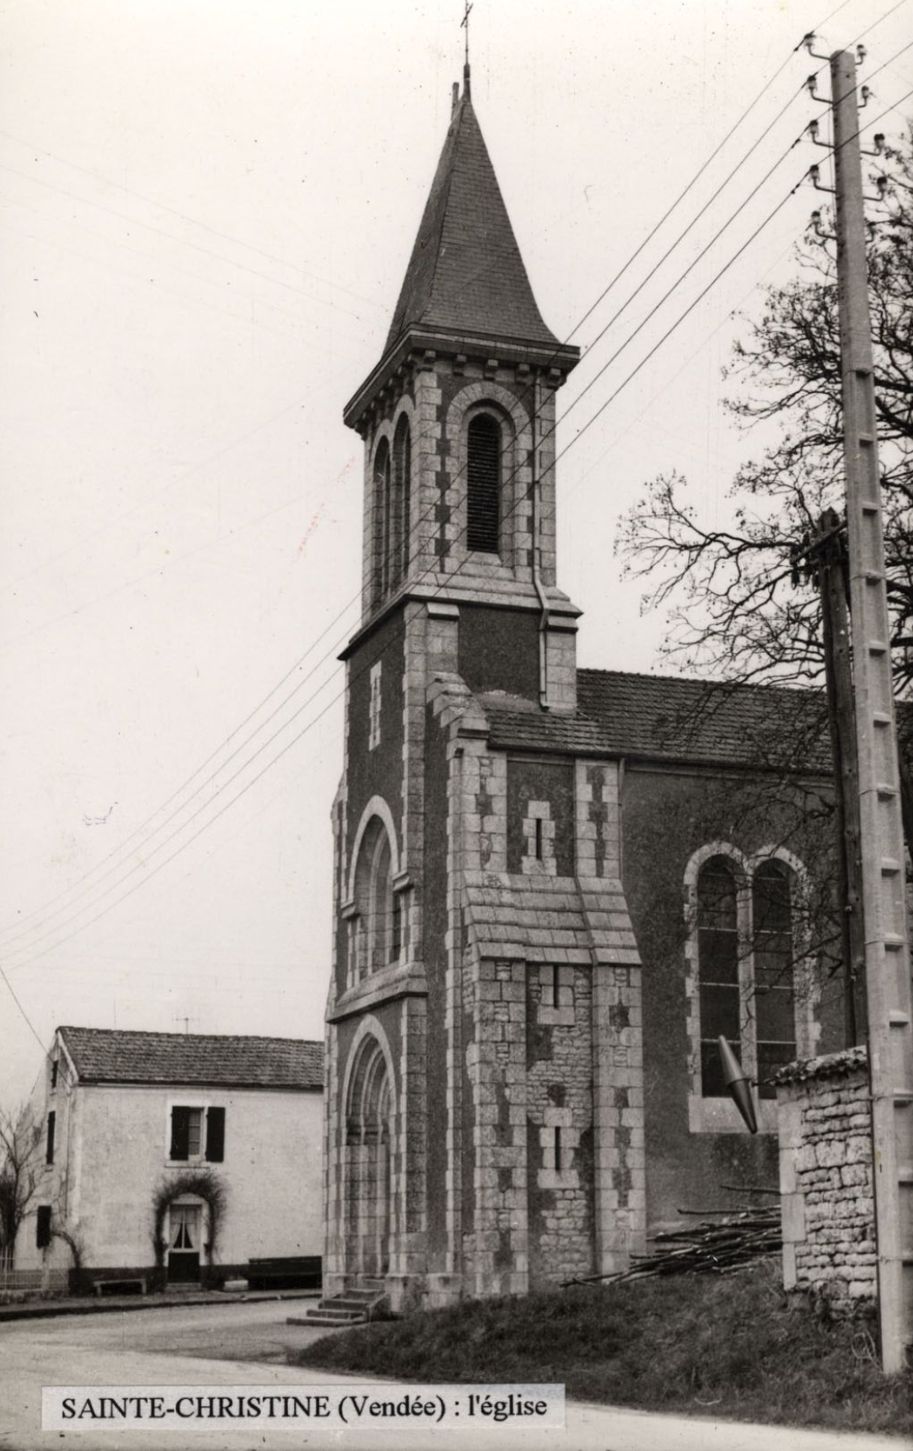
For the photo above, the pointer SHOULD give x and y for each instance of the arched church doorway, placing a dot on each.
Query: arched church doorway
(369, 1162)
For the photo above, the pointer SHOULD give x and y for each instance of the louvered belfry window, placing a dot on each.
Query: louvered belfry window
(402, 474)
(382, 521)
(484, 484)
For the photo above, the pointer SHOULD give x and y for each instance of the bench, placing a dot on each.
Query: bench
(129, 1285)
(292, 1272)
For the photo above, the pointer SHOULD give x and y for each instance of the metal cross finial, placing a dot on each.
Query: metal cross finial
(464, 25)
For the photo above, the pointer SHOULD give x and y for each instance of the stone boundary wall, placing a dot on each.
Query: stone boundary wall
(828, 1208)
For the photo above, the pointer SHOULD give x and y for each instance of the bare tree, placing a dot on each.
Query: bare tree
(20, 1165)
(732, 604)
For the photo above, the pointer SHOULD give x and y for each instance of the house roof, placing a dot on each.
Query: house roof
(114, 1055)
(667, 718)
(466, 273)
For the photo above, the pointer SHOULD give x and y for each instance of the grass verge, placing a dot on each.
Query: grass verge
(734, 1346)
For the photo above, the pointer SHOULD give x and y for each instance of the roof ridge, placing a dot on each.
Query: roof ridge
(705, 683)
(185, 1037)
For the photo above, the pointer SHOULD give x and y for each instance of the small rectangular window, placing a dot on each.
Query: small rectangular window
(197, 1133)
(538, 843)
(186, 1124)
(547, 989)
(557, 1149)
(52, 1125)
(43, 1226)
(54, 1066)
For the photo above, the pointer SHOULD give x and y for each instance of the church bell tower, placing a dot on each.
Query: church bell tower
(428, 1157)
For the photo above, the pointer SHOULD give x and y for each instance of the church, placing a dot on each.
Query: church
(553, 887)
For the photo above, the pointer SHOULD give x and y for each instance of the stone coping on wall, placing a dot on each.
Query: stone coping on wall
(830, 1065)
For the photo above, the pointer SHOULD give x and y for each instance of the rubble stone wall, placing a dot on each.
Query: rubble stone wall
(826, 1178)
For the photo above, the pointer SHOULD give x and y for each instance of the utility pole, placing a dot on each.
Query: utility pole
(887, 961)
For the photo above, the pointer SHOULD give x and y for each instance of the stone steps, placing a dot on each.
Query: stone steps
(351, 1307)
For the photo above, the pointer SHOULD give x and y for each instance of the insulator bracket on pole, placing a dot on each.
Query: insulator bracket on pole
(814, 174)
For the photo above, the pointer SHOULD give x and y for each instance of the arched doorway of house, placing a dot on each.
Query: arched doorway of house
(186, 1227)
(369, 1163)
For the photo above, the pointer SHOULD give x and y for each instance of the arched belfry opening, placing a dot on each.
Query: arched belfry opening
(368, 1195)
(483, 484)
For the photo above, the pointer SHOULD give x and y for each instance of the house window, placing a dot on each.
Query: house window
(483, 472)
(197, 1134)
(52, 1126)
(43, 1226)
(744, 948)
(55, 1063)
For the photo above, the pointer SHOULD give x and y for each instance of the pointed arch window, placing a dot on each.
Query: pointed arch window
(483, 473)
(718, 963)
(774, 989)
(751, 978)
(379, 934)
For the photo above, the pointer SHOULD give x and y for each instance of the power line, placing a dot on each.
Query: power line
(32, 954)
(26, 931)
(586, 315)
(13, 994)
(181, 241)
(185, 217)
(23, 930)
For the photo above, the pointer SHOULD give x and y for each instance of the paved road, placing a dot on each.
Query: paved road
(246, 1345)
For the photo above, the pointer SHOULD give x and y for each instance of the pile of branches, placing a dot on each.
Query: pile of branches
(715, 1246)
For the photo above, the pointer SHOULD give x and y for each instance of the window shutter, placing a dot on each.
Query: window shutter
(43, 1226)
(483, 521)
(52, 1124)
(180, 1133)
(215, 1135)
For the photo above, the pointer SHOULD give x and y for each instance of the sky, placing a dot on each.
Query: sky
(206, 210)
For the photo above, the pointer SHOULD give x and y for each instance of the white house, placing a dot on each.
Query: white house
(176, 1157)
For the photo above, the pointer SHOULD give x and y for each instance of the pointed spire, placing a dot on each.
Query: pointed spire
(466, 274)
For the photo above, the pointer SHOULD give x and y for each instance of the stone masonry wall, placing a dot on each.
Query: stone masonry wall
(826, 1178)
(559, 1100)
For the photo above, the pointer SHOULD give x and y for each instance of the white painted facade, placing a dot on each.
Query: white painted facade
(111, 1154)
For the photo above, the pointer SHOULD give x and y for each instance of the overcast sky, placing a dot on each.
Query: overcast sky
(207, 209)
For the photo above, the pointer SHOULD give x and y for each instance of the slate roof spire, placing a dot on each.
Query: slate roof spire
(466, 274)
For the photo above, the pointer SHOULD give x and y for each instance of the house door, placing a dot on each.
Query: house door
(184, 1248)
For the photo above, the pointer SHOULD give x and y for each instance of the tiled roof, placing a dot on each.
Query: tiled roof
(114, 1055)
(466, 272)
(666, 718)
(549, 919)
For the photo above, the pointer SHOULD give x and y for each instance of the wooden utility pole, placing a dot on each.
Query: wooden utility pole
(887, 961)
